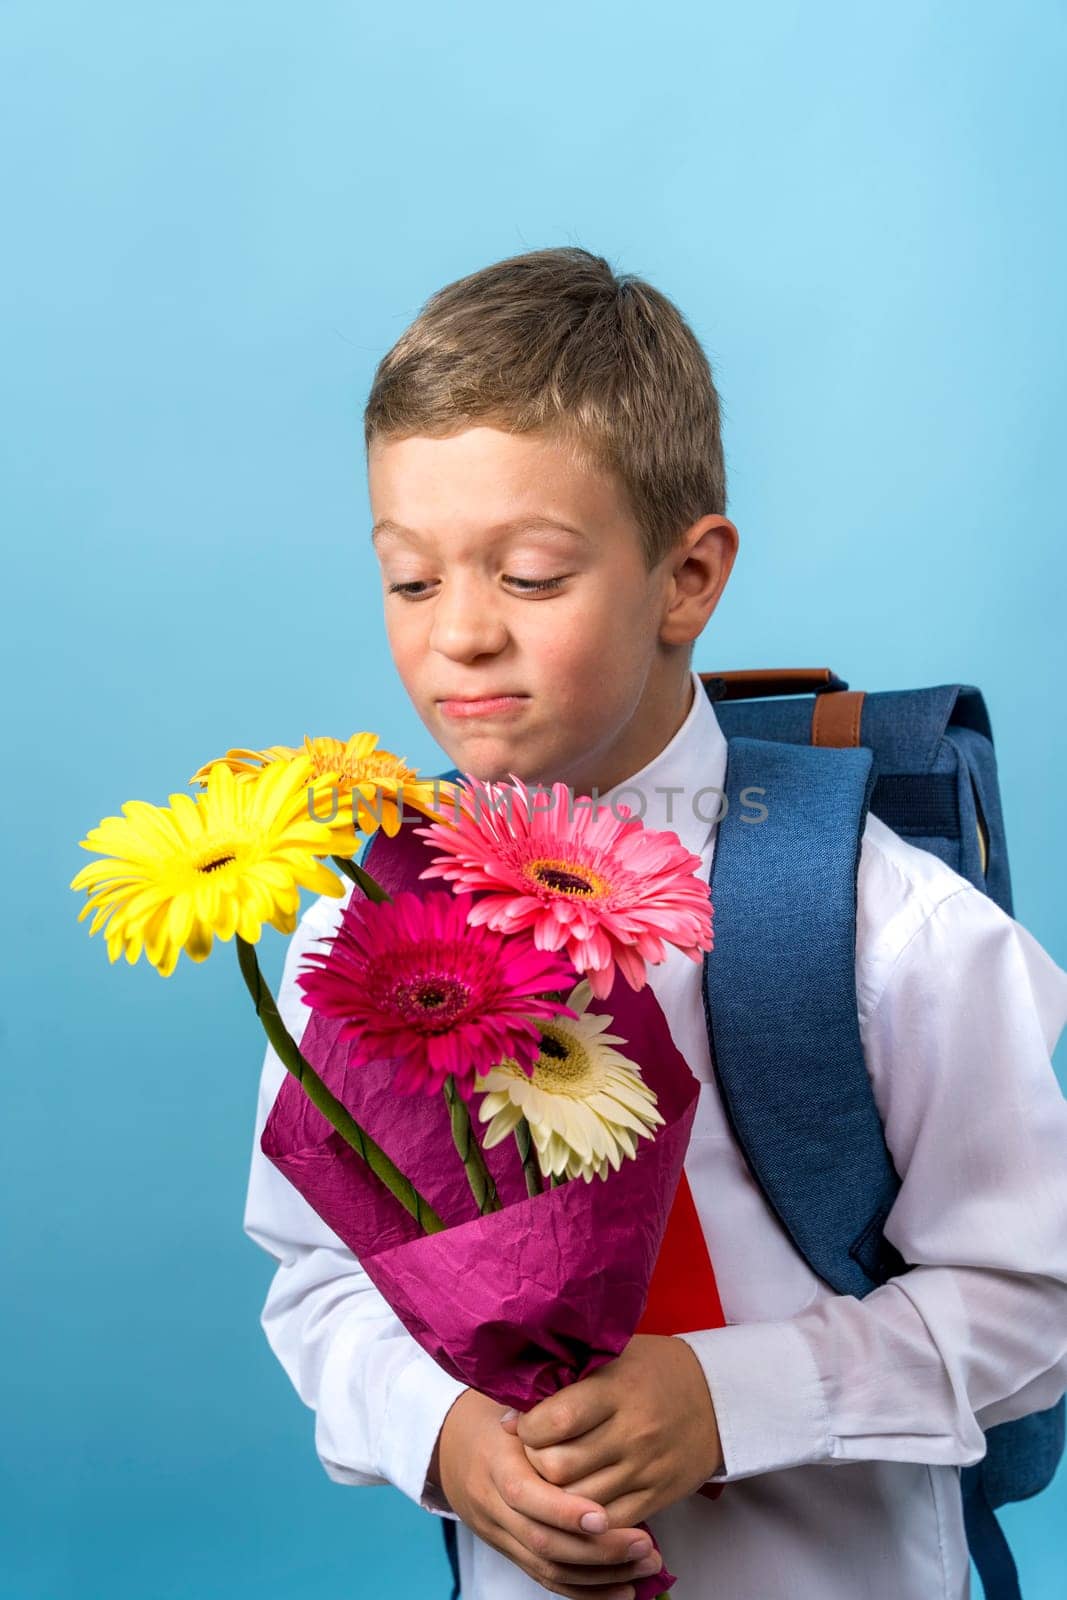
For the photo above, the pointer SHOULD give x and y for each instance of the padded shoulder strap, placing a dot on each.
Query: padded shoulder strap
(780, 1002)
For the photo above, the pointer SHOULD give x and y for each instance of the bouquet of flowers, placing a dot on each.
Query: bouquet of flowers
(496, 997)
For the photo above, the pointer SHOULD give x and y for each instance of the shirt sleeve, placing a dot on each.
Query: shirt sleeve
(379, 1398)
(958, 1047)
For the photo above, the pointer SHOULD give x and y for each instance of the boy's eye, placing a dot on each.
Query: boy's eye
(526, 584)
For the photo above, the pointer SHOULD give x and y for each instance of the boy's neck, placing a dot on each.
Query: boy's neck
(661, 720)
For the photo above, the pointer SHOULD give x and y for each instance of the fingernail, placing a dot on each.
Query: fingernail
(508, 1414)
(594, 1522)
(638, 1549)
(648, 1566)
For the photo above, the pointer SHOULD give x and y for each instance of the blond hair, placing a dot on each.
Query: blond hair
(554, 342)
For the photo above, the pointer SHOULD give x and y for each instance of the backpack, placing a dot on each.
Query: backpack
(923, 761)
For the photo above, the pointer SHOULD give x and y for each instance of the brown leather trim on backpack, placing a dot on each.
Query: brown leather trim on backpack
(836, 714)
(757, 682)
(835, 718)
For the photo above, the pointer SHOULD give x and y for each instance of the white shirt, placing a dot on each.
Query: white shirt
(959, 1012)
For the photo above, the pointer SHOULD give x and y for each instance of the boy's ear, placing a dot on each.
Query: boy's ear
(700, 568)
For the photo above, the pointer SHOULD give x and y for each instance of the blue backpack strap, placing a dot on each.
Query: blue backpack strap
(780, 1002)
(448, 1528)
(989, 1549)
(783, 1030)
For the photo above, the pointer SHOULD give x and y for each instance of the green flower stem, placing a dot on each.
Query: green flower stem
(557, 1178)
(358, 875)
(317, 1092)
(478, 1175)
(528, 1151)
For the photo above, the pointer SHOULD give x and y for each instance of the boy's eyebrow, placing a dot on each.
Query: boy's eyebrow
(389, 528)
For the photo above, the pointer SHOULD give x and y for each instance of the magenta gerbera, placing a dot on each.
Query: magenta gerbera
(415, 982)
(606, 889)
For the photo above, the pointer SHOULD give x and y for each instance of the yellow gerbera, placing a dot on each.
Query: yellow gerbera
(586, 1104)
(368, 779)
(225, 861)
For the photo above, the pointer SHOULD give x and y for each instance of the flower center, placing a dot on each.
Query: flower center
(566, 877)
(552, 1047)
(376, 766)
(327, 755)
(431, 1001)
(561, 1062)
(217, 862)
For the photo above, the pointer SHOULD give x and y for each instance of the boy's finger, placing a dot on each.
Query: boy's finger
(606, 1556)
(566, 1415)
(586, 1583)
(536, 1501)
(522, 1489)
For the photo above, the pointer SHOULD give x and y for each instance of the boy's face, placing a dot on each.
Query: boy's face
(597, 658)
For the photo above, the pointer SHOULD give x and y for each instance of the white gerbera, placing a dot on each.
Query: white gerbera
(586, 1105)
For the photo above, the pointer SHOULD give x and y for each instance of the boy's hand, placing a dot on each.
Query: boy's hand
(484, 1474)
(636, 1435)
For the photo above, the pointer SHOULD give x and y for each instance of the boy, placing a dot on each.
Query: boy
(547, 485)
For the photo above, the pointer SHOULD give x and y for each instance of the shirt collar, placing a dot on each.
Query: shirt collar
(680, 789)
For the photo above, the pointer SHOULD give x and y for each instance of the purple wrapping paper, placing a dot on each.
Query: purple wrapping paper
(523, 1301)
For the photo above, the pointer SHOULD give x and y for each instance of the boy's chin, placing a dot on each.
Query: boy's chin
(499, 771)
(493, 774)
(496, 763)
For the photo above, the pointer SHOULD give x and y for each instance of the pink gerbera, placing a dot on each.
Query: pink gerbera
(606, 889)
(414, 981)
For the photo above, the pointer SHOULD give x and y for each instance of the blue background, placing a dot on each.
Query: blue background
(218, 218)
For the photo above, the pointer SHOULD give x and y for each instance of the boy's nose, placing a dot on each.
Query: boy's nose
(463, 629)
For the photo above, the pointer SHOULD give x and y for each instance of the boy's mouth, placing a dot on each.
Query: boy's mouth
(483, 705)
